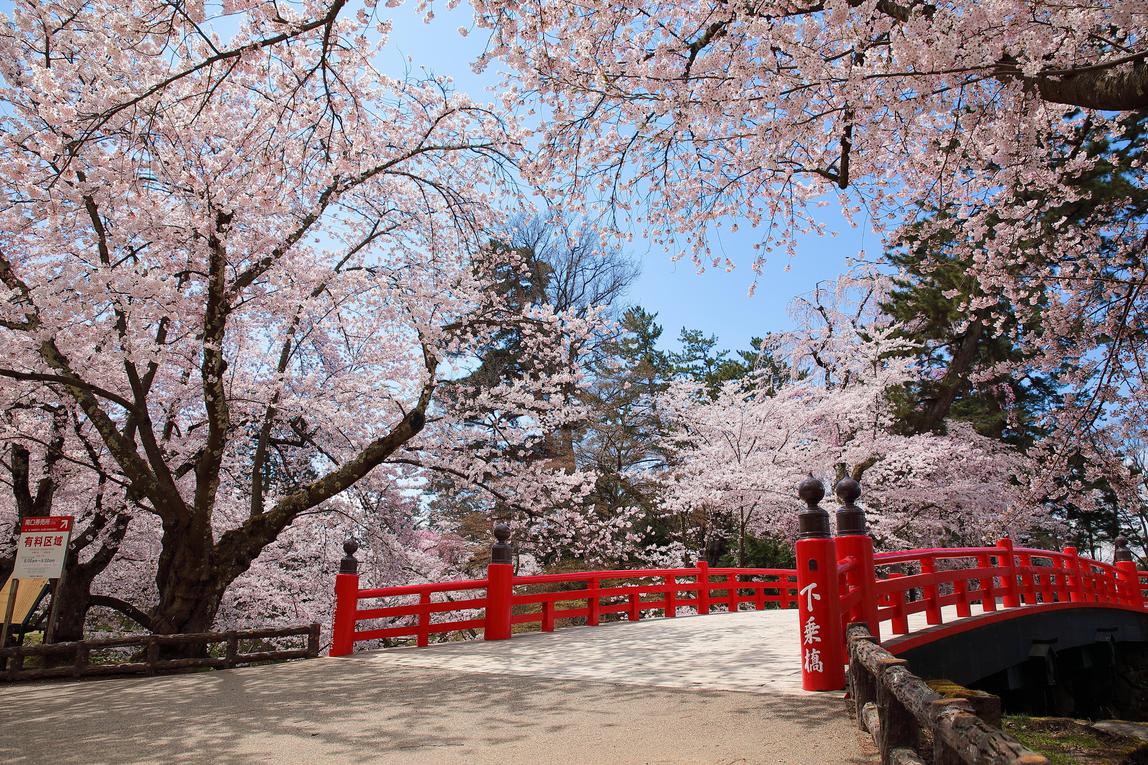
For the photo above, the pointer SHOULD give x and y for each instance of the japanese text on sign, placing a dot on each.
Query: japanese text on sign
(43, 547)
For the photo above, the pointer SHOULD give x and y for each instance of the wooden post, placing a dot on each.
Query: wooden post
(593, 603)
(1028, 590)
(346, 601)
(818, 602)
(422, 638)
(899, 624)
(898, 728)
(853, 541)
(313, 640)
(932, 608)
(548, 616)
(988, 583)
(57, 585)
(1007, 562)
(499, 586)
(1075, 580)
(9, 609)
(671, 609)
(961, 588)
(731, 593)
(232, 649)
(1129, 583)
(1060, 568)
(703, 581)
(152, 654)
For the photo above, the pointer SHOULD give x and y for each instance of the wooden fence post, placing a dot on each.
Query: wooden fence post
(499, 586)
(313, 640)
(346, 601)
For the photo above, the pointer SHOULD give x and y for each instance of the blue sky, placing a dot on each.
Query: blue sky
(716, 302)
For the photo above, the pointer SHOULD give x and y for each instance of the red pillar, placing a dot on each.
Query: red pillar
(1075, 583)
(1006, 561)
(853, 541)
(499, 586)
(346, 602)
(1128, 582)
(932, 607)
(703, 580)
(818, 603)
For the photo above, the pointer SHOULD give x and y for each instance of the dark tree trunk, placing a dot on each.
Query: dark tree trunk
(189, 590)
(75, 593)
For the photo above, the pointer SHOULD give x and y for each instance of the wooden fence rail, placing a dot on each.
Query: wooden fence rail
(150, 662)
(895, 706)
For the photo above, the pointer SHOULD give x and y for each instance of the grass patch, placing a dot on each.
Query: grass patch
(1068, 742)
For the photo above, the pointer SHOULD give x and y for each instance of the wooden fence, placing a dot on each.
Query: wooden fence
(75, 659)
(895, 707)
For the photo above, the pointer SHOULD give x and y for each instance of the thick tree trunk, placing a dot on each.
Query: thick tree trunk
(75, 594)
(189, 590)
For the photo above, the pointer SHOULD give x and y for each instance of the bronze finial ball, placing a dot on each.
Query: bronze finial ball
(847, 490)
(349, 564)
(850, 517)
(813, 521)
(501, 551)
(1122, 552)
(811, 491)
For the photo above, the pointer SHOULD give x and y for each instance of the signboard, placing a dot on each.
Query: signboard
(43, 547)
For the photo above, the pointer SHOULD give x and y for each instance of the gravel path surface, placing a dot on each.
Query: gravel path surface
(348, 711)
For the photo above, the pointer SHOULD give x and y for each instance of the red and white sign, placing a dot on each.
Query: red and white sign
(43, 547)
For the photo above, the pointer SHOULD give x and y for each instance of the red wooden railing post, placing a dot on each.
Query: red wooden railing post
(818, 604)
(593, 603)
(1075, 581)
(671, 609)
(499, 586)
(703, 580)
(422, 637)
(346, 601)
(899, 620)
(1006, 561)
(853, 541)
(988, 588)
(731, 594)
(1129, 584)
(1060, 569)
(930, 591)
(1028, 589)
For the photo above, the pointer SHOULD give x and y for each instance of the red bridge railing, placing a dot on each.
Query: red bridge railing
(500, 602)
(839, 580)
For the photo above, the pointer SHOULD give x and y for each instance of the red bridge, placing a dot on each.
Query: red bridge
(918, 602)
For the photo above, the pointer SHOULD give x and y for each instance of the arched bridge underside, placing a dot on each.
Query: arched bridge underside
(969, 650)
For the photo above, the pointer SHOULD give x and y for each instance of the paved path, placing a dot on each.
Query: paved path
(689, 690)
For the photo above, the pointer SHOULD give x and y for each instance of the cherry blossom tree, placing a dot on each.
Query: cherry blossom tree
(740, 454)
(249, 261)
(52, 460)
(979, 122)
